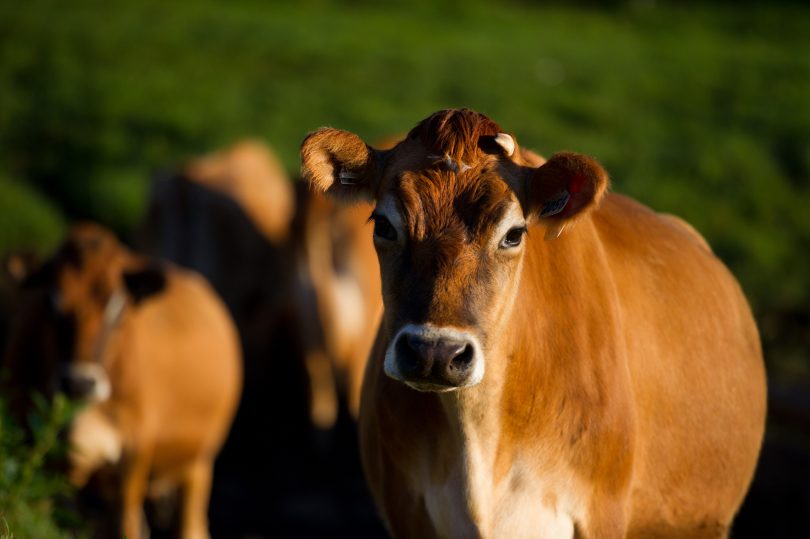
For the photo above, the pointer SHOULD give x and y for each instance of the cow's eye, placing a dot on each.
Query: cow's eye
(383, 229)
(513, 237)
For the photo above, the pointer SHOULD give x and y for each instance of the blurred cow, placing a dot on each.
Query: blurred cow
(152, 350)
(276, 276)
(340, 281)
(282, 257)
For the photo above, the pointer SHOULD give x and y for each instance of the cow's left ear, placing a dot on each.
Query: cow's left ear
(341, 165)
(145, 282)
(19, 267)
(565, 188)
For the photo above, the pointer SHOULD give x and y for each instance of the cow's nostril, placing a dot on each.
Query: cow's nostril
(462, 360)
(410, 357)
(81, 386)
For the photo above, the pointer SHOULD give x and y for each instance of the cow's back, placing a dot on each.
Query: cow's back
(188, 374)
(695, 366)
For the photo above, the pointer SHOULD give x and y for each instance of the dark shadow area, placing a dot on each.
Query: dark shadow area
(779, 498)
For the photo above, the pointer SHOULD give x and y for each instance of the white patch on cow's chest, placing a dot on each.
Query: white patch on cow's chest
(527, 506)
(468, 505)
(94, 442)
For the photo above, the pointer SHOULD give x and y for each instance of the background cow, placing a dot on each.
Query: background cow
(303, 286)
(606, 383)
(154, 353)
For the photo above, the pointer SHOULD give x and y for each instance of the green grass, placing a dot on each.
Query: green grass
(698, 110)
(29, 490)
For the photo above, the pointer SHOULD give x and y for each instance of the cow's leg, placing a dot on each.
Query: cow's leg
(196, 491)
(606, 520)
(323, 400)
(134, 481)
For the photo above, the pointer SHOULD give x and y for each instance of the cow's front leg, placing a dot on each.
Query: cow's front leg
(196, 491)
(134, 481)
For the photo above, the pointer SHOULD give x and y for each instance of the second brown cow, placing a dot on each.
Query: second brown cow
(152, 351)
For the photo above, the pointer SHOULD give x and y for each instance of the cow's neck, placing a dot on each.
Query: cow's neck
(536, 385)
(475, 438)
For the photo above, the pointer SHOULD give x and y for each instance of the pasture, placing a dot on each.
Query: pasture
(697, 109)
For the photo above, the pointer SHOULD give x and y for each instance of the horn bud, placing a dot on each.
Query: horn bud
(505, 141)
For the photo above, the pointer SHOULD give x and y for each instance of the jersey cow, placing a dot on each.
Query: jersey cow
(553, 360)
(296, 270)
(152, 351)
(337, 301)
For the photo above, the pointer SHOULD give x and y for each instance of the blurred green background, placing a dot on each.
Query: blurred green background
(702, 110)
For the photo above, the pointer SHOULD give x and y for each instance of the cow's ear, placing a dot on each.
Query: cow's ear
(565, 188)
(145, 282)
(341, 165)
(19, 267)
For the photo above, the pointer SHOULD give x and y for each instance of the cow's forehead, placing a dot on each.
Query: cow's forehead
(440, 197)
(445, 174)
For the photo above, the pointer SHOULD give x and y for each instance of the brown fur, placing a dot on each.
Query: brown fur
(171, 358)
(338, 320)
(251, 174)
(291, 272)
(624, 390)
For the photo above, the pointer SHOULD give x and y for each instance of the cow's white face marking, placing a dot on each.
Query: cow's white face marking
(512, 218)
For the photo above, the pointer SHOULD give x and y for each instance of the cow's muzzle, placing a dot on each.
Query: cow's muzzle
(87, 381)
(430, 358)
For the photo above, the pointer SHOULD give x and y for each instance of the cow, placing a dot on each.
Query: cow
(554, 360)
(152, 352)
(279, 255)
(338, 302)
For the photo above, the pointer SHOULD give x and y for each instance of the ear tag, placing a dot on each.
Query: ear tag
(553, 231)
(347, 178)
(556, 204)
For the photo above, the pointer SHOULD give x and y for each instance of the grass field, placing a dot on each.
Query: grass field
(698, 110)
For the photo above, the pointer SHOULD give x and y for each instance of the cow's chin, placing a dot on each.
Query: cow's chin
(429, 387)
(435, 386)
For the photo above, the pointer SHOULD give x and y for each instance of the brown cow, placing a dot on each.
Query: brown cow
(338, 302)
(553, 360)
(229, 215)
(153, 351)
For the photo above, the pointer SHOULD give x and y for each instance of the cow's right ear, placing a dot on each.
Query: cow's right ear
(145, 282)
(341, 165)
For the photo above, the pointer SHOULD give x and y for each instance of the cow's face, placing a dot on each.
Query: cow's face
(450, 245)
(455, 201)
(86, 289)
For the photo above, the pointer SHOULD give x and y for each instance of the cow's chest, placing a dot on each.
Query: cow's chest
(469, 503)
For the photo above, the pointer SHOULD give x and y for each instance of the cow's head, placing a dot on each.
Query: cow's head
(454, 202)
(74, 304)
